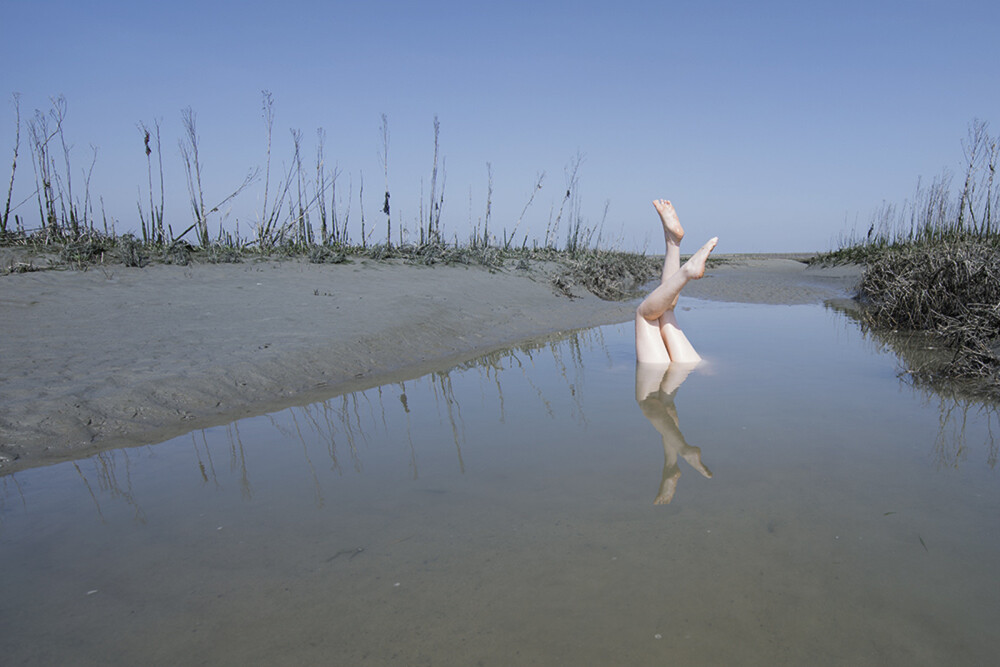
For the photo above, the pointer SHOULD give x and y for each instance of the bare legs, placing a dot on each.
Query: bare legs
(672, 235)
(658, 338)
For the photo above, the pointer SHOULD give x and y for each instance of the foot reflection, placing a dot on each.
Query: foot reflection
(655, 388)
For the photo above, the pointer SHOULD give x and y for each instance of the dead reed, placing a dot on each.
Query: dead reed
(294, 205)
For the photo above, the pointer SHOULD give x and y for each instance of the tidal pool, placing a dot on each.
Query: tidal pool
(514, 510)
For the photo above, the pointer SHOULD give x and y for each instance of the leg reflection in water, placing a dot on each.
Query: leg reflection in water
(663, 353)
(655, 388)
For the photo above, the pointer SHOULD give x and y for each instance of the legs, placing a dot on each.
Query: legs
(678, 346)
(672, 235)
(658, 339)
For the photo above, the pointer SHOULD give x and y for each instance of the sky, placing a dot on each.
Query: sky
(777, 126)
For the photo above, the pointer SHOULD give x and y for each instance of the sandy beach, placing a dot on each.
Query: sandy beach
(115, 356)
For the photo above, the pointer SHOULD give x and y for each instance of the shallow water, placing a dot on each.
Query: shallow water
(503, 513)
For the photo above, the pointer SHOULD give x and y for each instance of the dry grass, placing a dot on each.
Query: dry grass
(951, 290)
(933, 265)
(300, 217)
(613, 276)
(609, 274)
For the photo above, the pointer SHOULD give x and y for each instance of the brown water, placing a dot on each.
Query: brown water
(503, 513)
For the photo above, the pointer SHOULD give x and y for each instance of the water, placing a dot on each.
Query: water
(504, 513)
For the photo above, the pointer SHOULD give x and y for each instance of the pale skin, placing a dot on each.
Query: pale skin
(658, 338)
(664, 354)
(655, 388)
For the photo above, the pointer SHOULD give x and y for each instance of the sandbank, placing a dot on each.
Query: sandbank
(115, 356)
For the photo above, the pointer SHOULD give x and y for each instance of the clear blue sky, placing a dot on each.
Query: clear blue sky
(774, 125)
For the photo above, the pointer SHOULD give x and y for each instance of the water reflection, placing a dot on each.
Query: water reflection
(408, 422)
(544, 378)
(347, 531)
(112, 479)
(655, 389)
(957, 404)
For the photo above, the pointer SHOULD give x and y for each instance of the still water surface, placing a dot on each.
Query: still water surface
(514, 511)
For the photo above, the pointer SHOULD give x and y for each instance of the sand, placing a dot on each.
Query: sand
(114, 356)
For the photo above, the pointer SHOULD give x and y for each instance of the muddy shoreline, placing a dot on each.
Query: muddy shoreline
(118, 356)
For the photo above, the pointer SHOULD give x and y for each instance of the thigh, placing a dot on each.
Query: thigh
(649, 345)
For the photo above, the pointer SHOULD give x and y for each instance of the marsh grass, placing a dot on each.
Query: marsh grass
(951, 289)
(69, 234)
(613, 275)
(933, 265)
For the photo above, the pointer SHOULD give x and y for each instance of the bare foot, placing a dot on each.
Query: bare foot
(694, 268)
(668, 216)
(693, 456)
(668, 487)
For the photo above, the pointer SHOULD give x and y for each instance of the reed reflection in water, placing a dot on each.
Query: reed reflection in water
(379, 428)
(958, 403)
(502, 512)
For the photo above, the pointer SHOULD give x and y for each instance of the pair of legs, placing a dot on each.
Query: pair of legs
(658, 338)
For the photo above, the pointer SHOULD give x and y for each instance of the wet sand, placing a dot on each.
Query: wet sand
(115, 356)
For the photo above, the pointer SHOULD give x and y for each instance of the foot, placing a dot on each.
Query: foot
(693, 456)
(668, 487)
(694, 268)
(671, 223)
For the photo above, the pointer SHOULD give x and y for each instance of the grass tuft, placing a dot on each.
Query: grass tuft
(933, 265)
(611, 275)
(131, 252)
(950, 289)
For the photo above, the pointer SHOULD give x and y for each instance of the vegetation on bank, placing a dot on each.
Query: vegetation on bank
(303, 215)
(933, 265)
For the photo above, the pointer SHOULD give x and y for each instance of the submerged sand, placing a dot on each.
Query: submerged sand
(113, 356)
